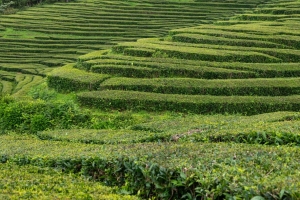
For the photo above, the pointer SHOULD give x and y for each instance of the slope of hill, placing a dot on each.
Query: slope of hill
(249, 65)
(39, 38)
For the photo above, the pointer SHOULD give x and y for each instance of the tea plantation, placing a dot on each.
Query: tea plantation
(139, 99)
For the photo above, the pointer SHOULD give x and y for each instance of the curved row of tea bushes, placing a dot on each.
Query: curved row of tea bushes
(181, 67)
(92, 136)
(279, 128)
(168, 170)
(215, 123)
(239, 131)
(170, 71)
(195, 52)
(69, 79)
(225, 87)
(133, 100)
(33, 69)
(6, 87)
(24, 83)
(19, 83)
(276, 133)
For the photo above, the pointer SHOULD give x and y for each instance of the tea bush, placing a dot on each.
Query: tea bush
(39, 115)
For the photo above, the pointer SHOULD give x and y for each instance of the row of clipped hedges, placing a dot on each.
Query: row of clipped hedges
(274, 134)
(170, 71)
(196, 69)
(167, 170)
(194, 52)
(278, 128)
(244, 32)
(132, 100)
(45, 183)
(92, 136)
(261, 87)
(69, 79)
(208, 39)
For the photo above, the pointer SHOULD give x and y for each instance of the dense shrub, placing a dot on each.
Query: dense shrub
(33, 116)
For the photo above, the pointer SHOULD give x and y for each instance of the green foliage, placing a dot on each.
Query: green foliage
(91, 136)
(280, 128)
(116, 121)
(67, 79)
(42, 92)
(132, 100)
(261, 87)
(168, 170)
(176, 157)
(33, 116)
(195, 52)
(30, 182)
(75, 34)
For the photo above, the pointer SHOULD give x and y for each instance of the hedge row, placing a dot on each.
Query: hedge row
(273, 54)
(24, 84)
(132, 100)
(207, 39)
(7, 87)
(127, 71)
(217, 123)
(170, 171)
(261, 17)
(196, 53)
(35, 69)
(276, 133)
(67, 79)
(139, 52)
(229, 32)
(239, 131)
(280, 128)
(46, 183)
(92, 55)
(90, 136)
(188, 71)
(133, 69)
(261, 87)
(280, 10)
(268, 70)
(7, 76)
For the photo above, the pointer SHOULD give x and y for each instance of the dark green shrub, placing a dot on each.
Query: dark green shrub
(33, 116)
(39, 122)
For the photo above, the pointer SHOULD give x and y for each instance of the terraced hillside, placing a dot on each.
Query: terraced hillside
(249, 64)
(39, 38)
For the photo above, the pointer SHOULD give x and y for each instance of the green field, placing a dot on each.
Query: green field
(140, 99)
